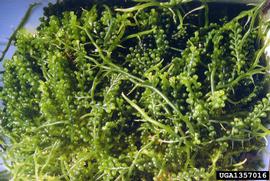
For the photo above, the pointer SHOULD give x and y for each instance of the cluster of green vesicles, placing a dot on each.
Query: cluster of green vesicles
(135, 94)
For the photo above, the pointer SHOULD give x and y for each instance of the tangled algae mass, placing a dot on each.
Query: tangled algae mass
(142, 90)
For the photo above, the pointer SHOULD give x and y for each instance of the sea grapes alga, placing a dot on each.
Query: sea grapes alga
(150, 91)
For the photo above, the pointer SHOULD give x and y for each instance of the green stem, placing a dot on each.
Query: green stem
(259, 54)
(22, 23)
(49, 157)
(36, 165)
(94, 84)
(139, 7)
(213, 80)
(206, 14)
(51, 124)
(137, 156)
(214, 159)
(241, 77)
(180, 17)
(63, 169)
(139, 34)
(149, 119)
